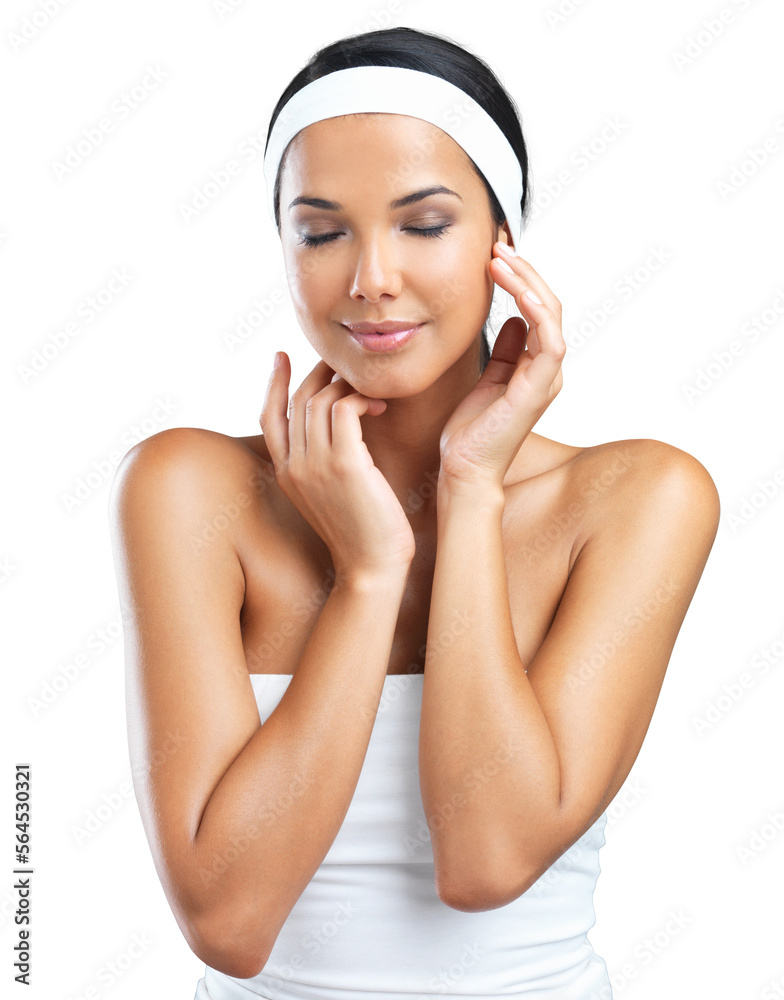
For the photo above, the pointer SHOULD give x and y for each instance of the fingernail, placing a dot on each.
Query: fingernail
(276, 362)
(504, 265)
(507, 249)
(532, 296)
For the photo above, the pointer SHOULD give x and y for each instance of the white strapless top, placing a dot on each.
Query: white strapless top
(369, 923)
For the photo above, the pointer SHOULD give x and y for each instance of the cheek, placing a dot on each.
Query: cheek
(459, 283)
(310, 283)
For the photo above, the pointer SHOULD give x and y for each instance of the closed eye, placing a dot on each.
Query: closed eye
(313, 241)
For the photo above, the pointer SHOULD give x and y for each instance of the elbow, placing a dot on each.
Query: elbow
(480, 896)
(466, 901)
(473, 881)
(230, 951)
(507, 874)
(485, 880)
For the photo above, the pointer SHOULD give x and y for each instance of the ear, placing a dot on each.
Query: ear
(504, 234)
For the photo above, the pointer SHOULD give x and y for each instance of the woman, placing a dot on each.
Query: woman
(452, 630)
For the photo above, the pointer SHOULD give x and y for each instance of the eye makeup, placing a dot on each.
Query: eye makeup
(429, 233)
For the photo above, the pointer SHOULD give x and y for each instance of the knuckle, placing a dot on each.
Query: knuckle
(342, 406)
(294, 470)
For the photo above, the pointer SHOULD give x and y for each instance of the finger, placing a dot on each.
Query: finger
(537, 371)
(346, 429)
(274, 424)
(527, 273)
(547, 346)
(546, 352)
(318, 416)
(508, 346)
(516, 283)
(319, 376)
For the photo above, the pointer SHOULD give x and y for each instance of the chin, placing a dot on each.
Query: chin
(388, 384)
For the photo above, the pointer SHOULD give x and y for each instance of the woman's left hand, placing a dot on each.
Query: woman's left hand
(522, 378)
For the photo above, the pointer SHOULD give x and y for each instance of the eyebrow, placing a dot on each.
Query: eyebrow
(409, 199)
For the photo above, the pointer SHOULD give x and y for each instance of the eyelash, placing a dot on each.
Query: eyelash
(314, 241)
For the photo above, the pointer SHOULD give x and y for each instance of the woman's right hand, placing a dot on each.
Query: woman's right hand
(325, 469)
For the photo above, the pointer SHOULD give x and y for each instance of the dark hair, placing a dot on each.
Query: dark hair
(428, 53)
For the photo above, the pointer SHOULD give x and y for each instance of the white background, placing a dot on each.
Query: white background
(691, 102)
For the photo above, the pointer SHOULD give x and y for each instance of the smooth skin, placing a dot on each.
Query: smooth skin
(373, 511)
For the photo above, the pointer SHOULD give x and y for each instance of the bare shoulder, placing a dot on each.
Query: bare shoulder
(217, 479)
(218, 457)
(188, 444)
(639, 480)
(633, 462)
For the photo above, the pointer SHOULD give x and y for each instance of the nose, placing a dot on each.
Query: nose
(376, 273)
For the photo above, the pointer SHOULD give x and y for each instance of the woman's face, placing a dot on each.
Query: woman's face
(376, 266)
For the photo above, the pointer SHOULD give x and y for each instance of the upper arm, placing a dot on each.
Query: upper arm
(599, 671)
(189, 700)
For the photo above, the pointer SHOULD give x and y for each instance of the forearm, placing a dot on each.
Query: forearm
(285, 796)
(489, 772)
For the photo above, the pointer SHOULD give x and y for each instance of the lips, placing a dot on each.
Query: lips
(380, 340)
(385, 326)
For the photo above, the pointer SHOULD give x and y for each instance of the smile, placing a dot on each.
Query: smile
(385, 341)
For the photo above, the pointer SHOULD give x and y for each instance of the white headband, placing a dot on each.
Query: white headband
(395, 90)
